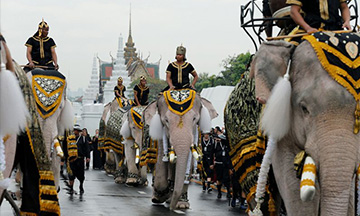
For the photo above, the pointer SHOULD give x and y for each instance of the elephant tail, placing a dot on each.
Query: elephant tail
(66, 119)
(13, 110)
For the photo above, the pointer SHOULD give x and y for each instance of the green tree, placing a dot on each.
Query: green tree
(234, 67)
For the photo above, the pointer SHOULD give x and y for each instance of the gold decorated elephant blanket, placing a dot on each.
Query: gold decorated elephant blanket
(39, 195)
(247, 144)
(48, 89)
(112, 138)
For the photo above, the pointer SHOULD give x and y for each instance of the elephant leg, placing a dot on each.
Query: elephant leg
(165, 146)
(120, 177)
(55, 166)
(188, 169)
(10, 150)
(132, 178)
(183, 202)
(288, 183)
(161, 190)
(143, 176)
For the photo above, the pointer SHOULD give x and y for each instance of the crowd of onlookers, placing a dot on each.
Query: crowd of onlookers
(217, 167)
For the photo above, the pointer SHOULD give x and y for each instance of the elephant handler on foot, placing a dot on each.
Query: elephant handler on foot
(78, 167)
(177, 73)
(41, 50)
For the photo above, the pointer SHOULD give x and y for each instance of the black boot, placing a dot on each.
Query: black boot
(209, 189)
(204, 186)
(81, 188)
(228, 195)
(219, 191)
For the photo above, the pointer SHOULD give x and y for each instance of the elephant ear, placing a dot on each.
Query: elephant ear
(269, 63)
(209, 107)
(66, 119)
(149, 112)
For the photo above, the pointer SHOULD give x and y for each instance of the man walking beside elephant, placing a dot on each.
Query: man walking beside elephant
(77, 166)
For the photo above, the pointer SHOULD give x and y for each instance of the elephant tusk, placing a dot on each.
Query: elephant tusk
(172, 156)
(137, 158)
(59, 151)
(194, 152)
(307, 184)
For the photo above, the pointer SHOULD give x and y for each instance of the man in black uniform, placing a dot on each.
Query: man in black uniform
(141, 92)
(207, 144)
(319, 15)
(177, 73)
(77, 166)
(120, 89)
(41, 49)
(222, 164)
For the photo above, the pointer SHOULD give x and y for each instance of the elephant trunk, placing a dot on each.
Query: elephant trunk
(182, 153)
(337, 164)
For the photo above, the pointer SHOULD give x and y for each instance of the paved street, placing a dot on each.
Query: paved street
(104, 197)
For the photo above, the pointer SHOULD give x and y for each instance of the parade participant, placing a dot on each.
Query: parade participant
(222, 164)
(207, 144)
(41, 49)
(319, 15)
(177, 73)
(89, 141)
(77, 166)
(120, 89)
(141, 92)
(97, 162)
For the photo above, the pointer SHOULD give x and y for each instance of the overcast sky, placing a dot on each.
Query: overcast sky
(209, 29)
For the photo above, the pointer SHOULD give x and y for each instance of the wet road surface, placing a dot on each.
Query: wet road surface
(104, 197)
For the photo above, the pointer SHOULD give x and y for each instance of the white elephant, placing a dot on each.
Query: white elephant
(132, 132)
(180, 112)
(54, 111)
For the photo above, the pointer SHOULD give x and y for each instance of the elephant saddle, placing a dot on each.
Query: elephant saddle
(123, 102)
(339, 55)
(48, 88)
(136, 115)
(180, 101)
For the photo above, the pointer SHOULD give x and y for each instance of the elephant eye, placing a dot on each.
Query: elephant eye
(305, 110)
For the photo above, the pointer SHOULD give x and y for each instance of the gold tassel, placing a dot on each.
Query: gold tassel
(121, 162)
(357, 118)
(181, 124)
(271, 205)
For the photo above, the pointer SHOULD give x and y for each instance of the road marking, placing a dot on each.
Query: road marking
(179, 212)
(141, 192)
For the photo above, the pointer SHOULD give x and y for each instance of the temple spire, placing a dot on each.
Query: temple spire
(130, 45)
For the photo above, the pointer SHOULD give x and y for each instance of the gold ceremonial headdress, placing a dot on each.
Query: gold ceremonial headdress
(120, 79)
(42, 25)
(180, 50)
(142, 77)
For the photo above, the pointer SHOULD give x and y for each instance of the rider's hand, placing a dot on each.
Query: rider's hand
(56, 66)
(31, 65)
(211, 166)
(346, 25)
(311, 30)
(193, 87)
(172, 87)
